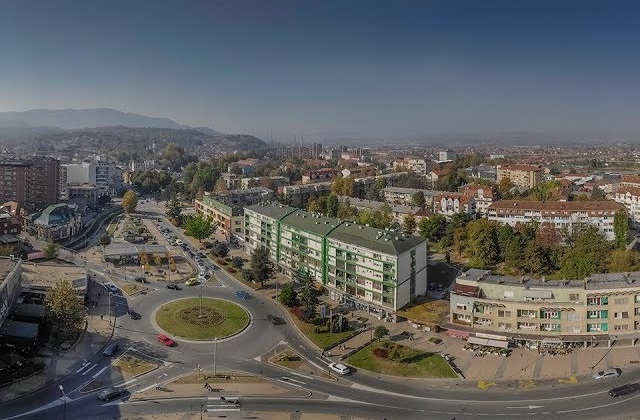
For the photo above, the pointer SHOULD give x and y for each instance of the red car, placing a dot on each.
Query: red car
(165, 340)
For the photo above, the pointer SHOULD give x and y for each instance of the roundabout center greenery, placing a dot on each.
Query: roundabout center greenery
(218, 319)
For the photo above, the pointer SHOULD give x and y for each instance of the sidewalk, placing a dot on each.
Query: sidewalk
(61, 364)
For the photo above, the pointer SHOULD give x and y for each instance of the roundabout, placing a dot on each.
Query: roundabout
(201, 319)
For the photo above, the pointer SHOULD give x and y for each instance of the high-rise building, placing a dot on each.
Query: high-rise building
(316, 150)
(526, 176)
(33, 182)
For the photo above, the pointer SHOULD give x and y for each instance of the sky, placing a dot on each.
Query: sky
(352, 68)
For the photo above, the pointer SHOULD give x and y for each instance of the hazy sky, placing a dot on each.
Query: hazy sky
(397, 67)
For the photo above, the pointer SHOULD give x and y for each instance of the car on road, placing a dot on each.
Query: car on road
(339, 368)
(140, 280)
(275, 320)
(625, 390)
(165, 340)
(110, 350)
(110, 393)
(607, 373)
(241, 294)
(192, 282)
(111, 287)
(134, 315)
(173, 287)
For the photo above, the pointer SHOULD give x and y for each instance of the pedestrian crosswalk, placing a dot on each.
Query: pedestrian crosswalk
(222, 404)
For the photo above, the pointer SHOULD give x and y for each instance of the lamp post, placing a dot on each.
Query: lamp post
(200, 316)
(201, 407)
(110, 308)
(64, 402)
(215, 354)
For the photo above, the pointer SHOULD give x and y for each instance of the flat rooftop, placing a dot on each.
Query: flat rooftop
(6, 265)
(46, 275)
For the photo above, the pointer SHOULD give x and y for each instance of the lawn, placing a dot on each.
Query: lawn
(407, 362)
(132, 366)
(427, 313)
(324, 340)
(220, 318)
(204, 377)
(132, 288)
(289, 359)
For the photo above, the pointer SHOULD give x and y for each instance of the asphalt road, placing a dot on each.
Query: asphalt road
(362, 394)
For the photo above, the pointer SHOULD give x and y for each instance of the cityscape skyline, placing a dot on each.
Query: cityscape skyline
(350, 69)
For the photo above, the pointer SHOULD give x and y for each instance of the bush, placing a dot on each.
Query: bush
(288, 296)
(237, 262)
(232, 270)
(380, 352)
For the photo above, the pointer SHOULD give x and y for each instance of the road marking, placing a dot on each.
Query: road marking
(530, 407)
(293, 380)
(289, 383)
(89, 370)
(100, 371)
(301, 375)
(126, 383)
(147, 388)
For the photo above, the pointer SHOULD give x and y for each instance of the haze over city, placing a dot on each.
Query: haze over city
(350, 69)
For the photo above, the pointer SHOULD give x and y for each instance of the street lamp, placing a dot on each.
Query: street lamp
(200, 316)
(110, 308)
(64, 402)
(215, 354)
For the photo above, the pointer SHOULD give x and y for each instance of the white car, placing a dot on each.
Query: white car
(608, 373)
(339, 368)
(111, 287)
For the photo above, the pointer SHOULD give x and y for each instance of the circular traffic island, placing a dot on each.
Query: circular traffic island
(216, 319)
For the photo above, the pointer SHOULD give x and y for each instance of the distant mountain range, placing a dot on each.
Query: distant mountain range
(38, 122)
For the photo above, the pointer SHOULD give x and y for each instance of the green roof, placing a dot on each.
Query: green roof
(318, 224)
(380, 240)
(56, 214)
(274, 211)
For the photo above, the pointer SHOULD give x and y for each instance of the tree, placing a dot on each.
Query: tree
(586, 256)
(199, 227)
(332, 205)
(65, 311)
(105, 239)
(7, 250)
(144, 258)
(237, 262)
(418, 199)
(621, 229)
(482, 244)
(317, 205)
(433, 228)
(51, 251)
(288, 296)
(220, 249)
(157, 259)
(380, 332)
(261, 266)
(343, 186)
(623, 260)
(306, 294)
(505, 185)
(129, 202)
(174, 208)
(409, 224)
(172, 264)
(598, 195)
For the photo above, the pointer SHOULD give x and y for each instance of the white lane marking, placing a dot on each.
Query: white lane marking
(301, 375)
(210, 408)
(295, 380)
(599, 406)
(147, 388)
(100, 371)
(89, 370)
(126, 383)
(289, 383)
(530, 407)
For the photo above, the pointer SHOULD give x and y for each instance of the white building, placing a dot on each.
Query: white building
(446, 155)
(450, 203)
(563, 215)
(630, 198)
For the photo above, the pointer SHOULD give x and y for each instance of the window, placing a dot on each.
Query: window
(593, 314)
(620, 327)
(504, 326)
(574, 297)
(462, 306)
(504, 314)
(621, 315)
(572, 316)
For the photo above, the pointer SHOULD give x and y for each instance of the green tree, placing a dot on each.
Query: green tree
(418, 199)
(598, 194)
(199, 227)
(482, 244)
(288, 296)
(409, 224)
(623, 260)
(174, 208)
(434, 228)
(129, 202)
(51, 251)
(172, 264)
(621, 229)
(586, 256)
(343, 186)
(332, 205)
(544, 190)
(64, 311)
(105, 239)
(7, 250)
(237, 262)
(157, 260)
(317, 204)
(261, 266)
(380, 332)
(537, 259)
(220, 249)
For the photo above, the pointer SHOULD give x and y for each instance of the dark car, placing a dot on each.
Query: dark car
(110, 393)
(110, 350)
(275, 320)
(140, 280)
(173, 287)
(134, 315)
(624, 390)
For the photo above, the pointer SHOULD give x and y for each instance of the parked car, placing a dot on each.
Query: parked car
(110, 350)
(165, 340)
(134, 315)
(339, 368)
(140, 280)
(111, 287)
(173, 287)
(275, 320)
(179, 242)
(241, 294)
(607, 373)
(110, 393)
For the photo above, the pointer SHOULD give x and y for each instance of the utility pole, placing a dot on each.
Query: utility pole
(200, 316)
(109, 308)
(64, 403)
(215, 354)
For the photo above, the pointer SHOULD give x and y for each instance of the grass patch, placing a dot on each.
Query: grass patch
(289, 359)
(133, 288)
(427, 313)
(133, 366)
(204, 377)
(401, 361)
(220, 319)
(322, 339)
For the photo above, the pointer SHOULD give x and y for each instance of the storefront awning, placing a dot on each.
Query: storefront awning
(490, 343)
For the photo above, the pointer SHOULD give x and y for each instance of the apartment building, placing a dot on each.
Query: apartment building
(247, 197)
(483, 195)
(319, 175)
(404, 196)
(229, 215)
(275, 182)
(105, 176)
(32, 182)
(629, 197)
(419, 166)
(299, 195)
(379, 271)
(563, 215)
(450, 203)
(602, 307)
(527, 176)
(447, 155)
